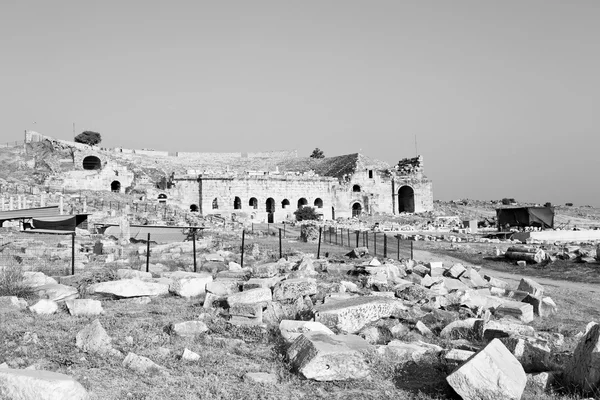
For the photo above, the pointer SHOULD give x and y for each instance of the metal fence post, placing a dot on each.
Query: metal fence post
(319, 248)
(411, 250)
(342, 236)
(357, 237)
(374, 243)
(148, 254)
(194, 249)
(367, 236)
(384, 245)
(280, 252)
(243, 240)
(73, 254)
(398, 239)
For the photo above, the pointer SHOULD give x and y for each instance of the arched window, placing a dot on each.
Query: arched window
(318, 203)
(194, 208)
(162, 198)
(237, 203)
(215, 204)
(285, 203)
(356, 209)
(253, 203)
(115, 186)
(356, 188)
(302, 202)
(92, 162)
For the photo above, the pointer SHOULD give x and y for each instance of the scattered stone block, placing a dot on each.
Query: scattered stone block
(414, 293)
(250, 296)
(495, 282)
(126, 288)
(533, 354)
(223, 287)
(583, 370)
(489, 330)
(521, 263)
(39, 385)
(401, 352)
(44, 307)
(351, 315)
(456, 271)
(324, 357)
(35, 279)
(461, 328)
(265, 270)
(189, 284)
(547, 307)
(189, 356)
(133, 274)
(94, 339)
(492, 373)
(294, 288)
(358, 252)
(79, 307)
(141, 365)
(260, 377)
(515, 309)
(436, 269)
(254, 283)
(541, 381)
(532, 287)
(10, 303)
(423, 329)
(455, 357)
(189, 328)
(56, 292)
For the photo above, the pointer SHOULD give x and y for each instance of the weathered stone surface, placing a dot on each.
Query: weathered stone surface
(325, 357)
(351, 315)
(254, 283)
(133, 274)
(265, 270)
(489, 330)
(294, 288)
(491, 374)
(189, 355)
(129, 288)
(358, 252)
(515, 309)
(413, 292)
(18, 384)
(223, 287)
(44, 307)
(456, 357)
(10, 303)
(462, 328)
(456, 271)
(189, 328)
(35, 279)
(423, 329)
(533, 354)
(189, 285)
(547, 307)
(401, 352)
(258, 295)
(532, 287)
(84, 307)
(260, 377)
(583, 371)
(541, 381)
(291, 329)
(93, 339)
(436, 269)
(140, 364)
(56, 292)
(495, 282)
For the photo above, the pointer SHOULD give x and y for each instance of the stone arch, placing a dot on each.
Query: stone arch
(406, 199)
(302, 202)
(115, 186)
(91, 163)
(253, 203)
(194, 208)
(356, 209)
(270, 208)
(318, 202)
(237, 203)
(215, 204)
(356, 188)
(285, 203)
(162, 198)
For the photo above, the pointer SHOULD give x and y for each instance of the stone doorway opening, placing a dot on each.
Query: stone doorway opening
(92, 162)
(356, 209)
(406, 199)
(115, 186)
(270, 210)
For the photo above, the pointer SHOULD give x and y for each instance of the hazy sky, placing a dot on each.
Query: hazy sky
(502, 96)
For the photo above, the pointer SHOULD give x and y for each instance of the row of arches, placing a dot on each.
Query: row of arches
(269, 204)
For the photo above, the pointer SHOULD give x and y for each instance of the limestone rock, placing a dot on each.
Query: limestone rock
(190, 356)
(141, 365)
(324, 357)
(456, 271)
(56, 292)
(125, 288)
(258, 295)
(459, 329)
(35, 279)
(16, 384)
(133, 274)
(265, 270)
(583, 371)
(533, 354)
(291, 329)
(84, 307)
(94, 339)
(8, 303)
(44, 307)
(189, 328)
(351, 315)
(515, 309)
(189, 285)
(402, 352)
(493, 373)
(532, 287)
(423, 329)
(498, 329)
(223, 287)
(260, 377)
(294, 288)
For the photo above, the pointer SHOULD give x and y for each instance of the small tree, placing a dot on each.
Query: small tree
(88, 137)
(306, 214)
(317, 153)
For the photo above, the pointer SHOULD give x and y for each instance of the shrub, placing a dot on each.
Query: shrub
(569, 204)
(317, 153)
(88, 137)
(506, 201)
(11, 282)
(306, 214)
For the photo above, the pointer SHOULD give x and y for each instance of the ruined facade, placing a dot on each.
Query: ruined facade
(266, 186)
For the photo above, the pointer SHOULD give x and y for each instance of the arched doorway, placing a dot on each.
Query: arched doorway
(302, 202)
(162, 198)
(115, 186)
(406, 199)
(318, 203)
(194, 208)
(92, 162)
(253, 203)
(333, 213)
(237, 203)
(270, 210)
(285, 203)
(356, 209)
(356, 188)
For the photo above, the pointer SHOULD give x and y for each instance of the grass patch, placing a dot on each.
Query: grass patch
(11, 282)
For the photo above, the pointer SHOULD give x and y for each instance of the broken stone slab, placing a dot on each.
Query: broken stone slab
(94, 339)
(9, 303)
(583, 370)
(35, 279)
(260, 377)
(489, 330)
(223, 287)
(254, 283)
(350, 286)
(188, 328)
(351, 315)
(265, 270)
(401, 352)
(423, 329)
(56, 292)
(495, 282)
(436, 269)
(189, 356)
(304, 269)
(358, 252)
(291, 329)
(125, 288)
(39, 385)
(294, 288)
(547, 307)
(188, 285)
(456, 357)
(141, 365)
(79, 307)
(44, 307)
(461, 329)
(324, 357)
(420, 270)
(455, 271)
(533, 354)
(492, 373)
(475, 299)
(454, 284)
(532, 287)
(515, 309)
(540, 381)
(413, 292)
(210, 299)
(124, 273)
(258, 295)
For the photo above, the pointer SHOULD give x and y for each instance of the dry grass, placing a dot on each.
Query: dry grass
(11, 282)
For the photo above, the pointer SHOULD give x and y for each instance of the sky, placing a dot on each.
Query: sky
(500, 97)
